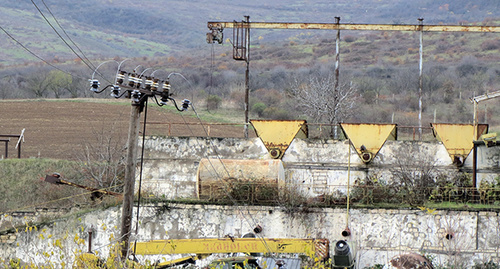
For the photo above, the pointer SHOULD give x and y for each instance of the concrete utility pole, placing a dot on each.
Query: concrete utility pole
(247, 74)
(128, 192)
(420, 78)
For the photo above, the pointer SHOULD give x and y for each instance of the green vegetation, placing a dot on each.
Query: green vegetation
(23, 188)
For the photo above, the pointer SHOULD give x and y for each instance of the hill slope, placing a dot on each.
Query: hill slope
(155, 28)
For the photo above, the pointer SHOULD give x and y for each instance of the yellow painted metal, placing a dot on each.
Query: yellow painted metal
(368, 138)
(355, 26)
(179, 261)
(457, 138)
(278, 134)
(318, 247)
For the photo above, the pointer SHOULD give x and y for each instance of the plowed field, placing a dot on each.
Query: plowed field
(59, 128)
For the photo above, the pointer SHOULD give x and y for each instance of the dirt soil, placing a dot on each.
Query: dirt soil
(58, 129)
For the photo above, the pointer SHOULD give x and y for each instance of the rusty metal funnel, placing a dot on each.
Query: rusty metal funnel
(457, 138)
(368, 138)
(278, 134)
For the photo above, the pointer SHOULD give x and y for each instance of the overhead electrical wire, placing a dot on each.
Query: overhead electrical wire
(65, 33)
(38, 57)
(60, 37)
(253, 222)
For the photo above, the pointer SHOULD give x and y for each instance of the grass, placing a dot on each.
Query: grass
(22, 186)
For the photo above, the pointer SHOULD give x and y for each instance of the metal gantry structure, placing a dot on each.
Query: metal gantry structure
(217, 27)
(139, 88)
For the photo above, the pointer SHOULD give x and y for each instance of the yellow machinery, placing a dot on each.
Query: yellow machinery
(277, 135)
(367, 139)
(316, 248)
(458, 138)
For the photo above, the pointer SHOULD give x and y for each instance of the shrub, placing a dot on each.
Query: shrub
(490, 44)
(259, 108)
(213, 102)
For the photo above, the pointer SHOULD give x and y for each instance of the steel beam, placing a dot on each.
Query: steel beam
(355, 26)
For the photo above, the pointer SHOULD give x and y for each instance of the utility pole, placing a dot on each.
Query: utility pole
(128, 192)
(337, 76)
(420, 78)
(247, 73)
(138, 88)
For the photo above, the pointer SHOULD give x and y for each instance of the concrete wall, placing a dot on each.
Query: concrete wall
(377, 235)
(314, 166)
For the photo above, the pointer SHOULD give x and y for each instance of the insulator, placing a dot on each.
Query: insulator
(94, 85)
(166, 86)
(148, 83)
(155, 84)
(138, 82)
(185, 104)
(120, 77)
(115, 91)
(164, 99)
(131, 80)
(136, 95)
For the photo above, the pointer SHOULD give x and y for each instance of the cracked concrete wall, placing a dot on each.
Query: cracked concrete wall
(377, 235)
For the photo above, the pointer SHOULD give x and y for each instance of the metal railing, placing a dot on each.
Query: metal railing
(273, 193)
(315, 130)
(7, 139)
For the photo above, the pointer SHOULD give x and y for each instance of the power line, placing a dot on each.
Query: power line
(60, 26)
(60, 37)
(252, 221)
(32, 53)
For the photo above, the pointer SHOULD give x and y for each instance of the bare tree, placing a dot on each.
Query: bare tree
(102, 160)
(319, 100)
(58, 82)
(413, 173)
(38, 84)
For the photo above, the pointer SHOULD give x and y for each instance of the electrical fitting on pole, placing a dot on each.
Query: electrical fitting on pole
(138, 87)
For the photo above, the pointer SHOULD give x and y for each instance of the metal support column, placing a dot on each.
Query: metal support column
(420, 78)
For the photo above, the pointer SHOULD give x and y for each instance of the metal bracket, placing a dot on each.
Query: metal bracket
(215, 34)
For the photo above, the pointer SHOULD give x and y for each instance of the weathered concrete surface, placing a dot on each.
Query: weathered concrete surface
(314, 166)
(171, 164)
(461, 238)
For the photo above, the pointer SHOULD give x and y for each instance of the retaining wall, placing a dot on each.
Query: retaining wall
(459, 238)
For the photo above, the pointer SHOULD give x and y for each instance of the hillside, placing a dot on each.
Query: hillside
(152, 28)
(381, 66)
